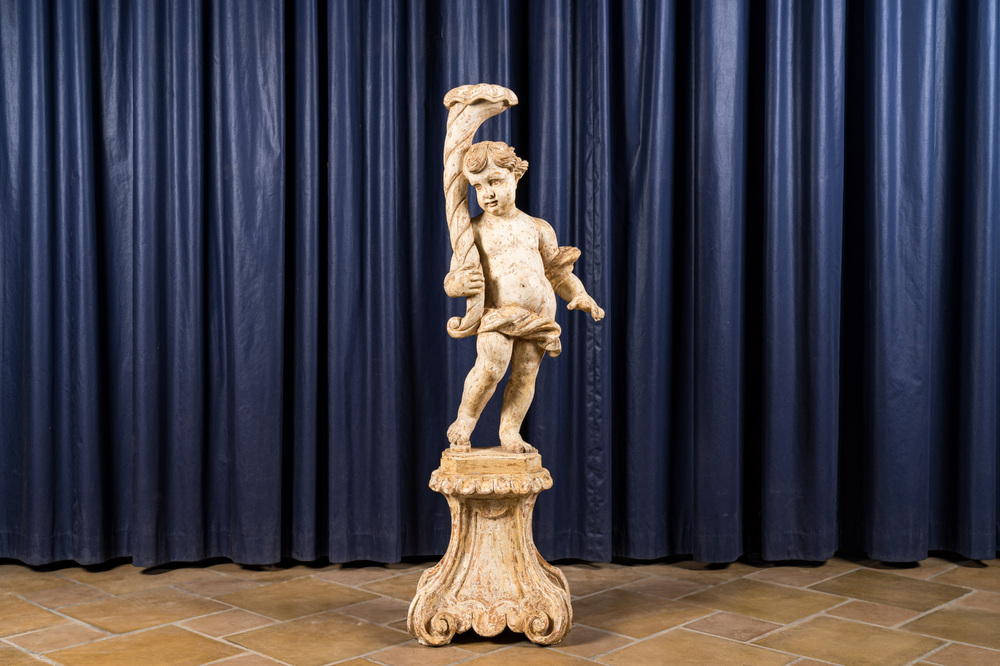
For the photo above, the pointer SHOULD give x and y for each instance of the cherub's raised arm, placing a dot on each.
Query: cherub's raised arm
(558, 263)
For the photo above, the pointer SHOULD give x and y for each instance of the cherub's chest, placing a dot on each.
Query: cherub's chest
(499, 236)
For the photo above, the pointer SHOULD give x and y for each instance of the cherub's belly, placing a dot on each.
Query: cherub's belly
(529, 290)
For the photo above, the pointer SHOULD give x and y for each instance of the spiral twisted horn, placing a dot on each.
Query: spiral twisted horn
(469, 106)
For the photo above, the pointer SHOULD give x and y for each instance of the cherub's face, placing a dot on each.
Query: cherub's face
(495, 189)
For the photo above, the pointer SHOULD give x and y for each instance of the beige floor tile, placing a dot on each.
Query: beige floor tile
(409, 566)
(803, 575)
(964, 655)
(142, 610)
(64, 595)
(688, 648)
(126, 579)
(226, 622)
(10, 656)
(977, 575)
(535, 655)
(275, 574)
(661, 586)
(295, 598)
(18, 616)
(219, 585)
(584, 641)
(764, 601)
(965, 625)
(57, 638)
(473, 642)
(383, 610)
(794, 576)
(19, 578)
(700, 572)
(415, 654)
(891, 590)
(586, 579)
(982, 600)
(735, 627)
(401, 587)
(165, 646)
(357, 575)
(844, 642)
(631, 614)
(249, 659)
(924, 569)
(880, 614)
(319, 639)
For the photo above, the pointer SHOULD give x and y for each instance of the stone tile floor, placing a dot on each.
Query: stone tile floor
(943, 611)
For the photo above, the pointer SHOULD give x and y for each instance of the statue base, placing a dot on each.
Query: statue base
(492, 576)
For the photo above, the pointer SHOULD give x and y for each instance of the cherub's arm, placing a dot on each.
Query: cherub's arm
(558, 263)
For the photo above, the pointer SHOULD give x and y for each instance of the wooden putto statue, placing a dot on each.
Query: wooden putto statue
(507, 264)
(509, 267)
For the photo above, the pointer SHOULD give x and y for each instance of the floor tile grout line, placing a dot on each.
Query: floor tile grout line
(655, 596)
(703, 633)
(56, 626)
(923, 614)
(55, 611)
(844, 619)
(631, 641)
(932, 652)
(35, 655)
(241, 647)
(229, 610)
(798, 587)
(224, 640)
(754, 641)
(685, 625)
(845, 600)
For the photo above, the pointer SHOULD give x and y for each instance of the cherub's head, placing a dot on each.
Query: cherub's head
(493, 169)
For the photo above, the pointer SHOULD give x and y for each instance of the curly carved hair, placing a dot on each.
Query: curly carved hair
(501, 154)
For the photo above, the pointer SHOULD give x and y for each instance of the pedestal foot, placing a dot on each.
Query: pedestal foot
(492, 576)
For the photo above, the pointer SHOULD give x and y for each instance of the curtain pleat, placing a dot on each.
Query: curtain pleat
(803, 192)
(223, 240)
(714, 206)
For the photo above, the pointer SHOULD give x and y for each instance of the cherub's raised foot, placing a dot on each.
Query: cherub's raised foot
(459, 432)
(513, 443)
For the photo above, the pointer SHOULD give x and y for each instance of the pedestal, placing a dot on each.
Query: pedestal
(492, 575)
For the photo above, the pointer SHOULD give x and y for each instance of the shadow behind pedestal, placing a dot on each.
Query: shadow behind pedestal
(492, 575)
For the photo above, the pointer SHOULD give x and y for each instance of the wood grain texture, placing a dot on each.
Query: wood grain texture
(492, 576)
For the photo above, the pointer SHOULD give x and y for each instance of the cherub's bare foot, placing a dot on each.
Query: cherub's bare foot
(459, 432)
(512, 442)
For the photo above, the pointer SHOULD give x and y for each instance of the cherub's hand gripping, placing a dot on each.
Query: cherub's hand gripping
(469, 106)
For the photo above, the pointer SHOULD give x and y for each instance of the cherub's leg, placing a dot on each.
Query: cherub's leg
(493, 354)
(518, 395)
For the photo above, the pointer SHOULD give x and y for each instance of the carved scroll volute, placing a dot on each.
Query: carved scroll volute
(469, 107)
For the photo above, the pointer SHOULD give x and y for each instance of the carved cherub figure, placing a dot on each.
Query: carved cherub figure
(522, 269)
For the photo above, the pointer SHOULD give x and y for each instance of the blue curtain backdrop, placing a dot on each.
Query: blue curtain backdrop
(223, 242)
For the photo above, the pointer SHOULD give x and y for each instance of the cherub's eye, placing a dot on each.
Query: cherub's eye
(478, 187)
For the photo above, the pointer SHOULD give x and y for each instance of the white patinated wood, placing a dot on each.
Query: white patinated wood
(492, 576)
(509, 267)
(506, 263)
